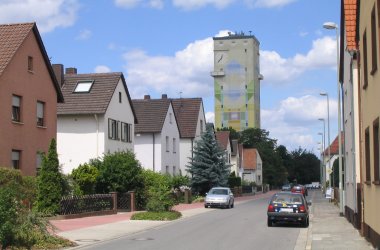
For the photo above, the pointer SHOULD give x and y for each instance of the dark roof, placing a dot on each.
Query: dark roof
(11, 38)
(151, 114)
(94, 102)
(223, 138)
(187, 112)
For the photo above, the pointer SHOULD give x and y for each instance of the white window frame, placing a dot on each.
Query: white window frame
(83, 86)
(40, 113)
(16, 108)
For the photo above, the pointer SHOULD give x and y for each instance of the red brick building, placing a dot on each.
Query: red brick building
(29, 93)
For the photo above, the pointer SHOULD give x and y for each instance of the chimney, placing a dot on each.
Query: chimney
(146, 97)
(72, 71)
(164, 96)
(58, 72)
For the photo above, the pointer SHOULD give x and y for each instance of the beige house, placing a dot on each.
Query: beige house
(29, 93)
(368, 35)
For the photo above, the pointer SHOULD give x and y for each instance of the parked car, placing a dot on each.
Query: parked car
(286, 187)
(219, 197)
(288, 207)
(299, 189)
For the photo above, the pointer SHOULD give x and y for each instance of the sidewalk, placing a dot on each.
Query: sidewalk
(89, 230)
(329, 230)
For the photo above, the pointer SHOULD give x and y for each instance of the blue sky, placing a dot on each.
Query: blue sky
(165, 47)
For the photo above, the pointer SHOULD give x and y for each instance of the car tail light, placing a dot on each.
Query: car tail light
(270, 208)
(302, 209)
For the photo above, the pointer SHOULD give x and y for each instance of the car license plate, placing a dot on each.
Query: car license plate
(287, 210)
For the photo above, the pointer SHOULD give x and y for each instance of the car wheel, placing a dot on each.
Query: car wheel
(205, 206)
(232, 206)
(270, 222)
(306, 223)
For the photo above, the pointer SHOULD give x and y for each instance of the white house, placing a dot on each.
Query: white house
(236, 152)
(252, 166)
(223, 138)
(157, 135)
(191, 123)
(97, 117)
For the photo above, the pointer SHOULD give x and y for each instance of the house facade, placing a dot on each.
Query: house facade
(236, 157)
(29, 93)
(223, 138)
(157, 135)
(252, 166)
(369, 49)
(96, 118)
(191, 123)
(351, 117)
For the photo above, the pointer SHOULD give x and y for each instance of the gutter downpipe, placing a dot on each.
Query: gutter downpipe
(97, 134)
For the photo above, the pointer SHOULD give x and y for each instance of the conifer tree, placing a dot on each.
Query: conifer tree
(208, 166)
(49, 182)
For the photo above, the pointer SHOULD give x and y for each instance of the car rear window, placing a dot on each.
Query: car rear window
(287, 198)
(219, 191)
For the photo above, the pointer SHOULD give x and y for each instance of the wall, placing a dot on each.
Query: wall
(148, 154)
(121, 112)
(32, 86)
(79, 139)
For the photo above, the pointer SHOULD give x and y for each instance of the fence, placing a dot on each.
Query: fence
(97, 204)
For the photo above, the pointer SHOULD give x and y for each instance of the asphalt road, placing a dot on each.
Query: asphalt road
(243, 227)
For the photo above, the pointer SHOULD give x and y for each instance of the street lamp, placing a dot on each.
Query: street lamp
(322, 157)
(324, 168)
(328, 131)
(331, 26)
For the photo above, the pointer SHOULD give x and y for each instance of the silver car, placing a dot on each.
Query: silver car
(219, 197)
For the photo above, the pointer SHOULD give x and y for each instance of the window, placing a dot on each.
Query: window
(174, 145)
(126, 132)
(16, 108)
(113, 129)
(167, 169)
(167, 143)
(83, 87)
(174, 170)
(373, 41)
(367, 158)
(376, 150)
(38, 162)
(40, 114)
(119, 97)
(170, 118)
(365, 63)
(16, 156)
(30, 63)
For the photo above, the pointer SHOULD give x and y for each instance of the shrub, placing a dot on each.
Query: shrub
(49, 183)
(8, 216)
(178, 181)
(160, 198)
(85, 177)
(234, 181)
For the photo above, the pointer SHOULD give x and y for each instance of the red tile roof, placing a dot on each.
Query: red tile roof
(334, 148)
(350, 22)
(249, 158)
(187, 112)
(12, 37)
(223, 137)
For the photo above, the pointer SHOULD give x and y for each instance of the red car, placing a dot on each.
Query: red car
(299, 189)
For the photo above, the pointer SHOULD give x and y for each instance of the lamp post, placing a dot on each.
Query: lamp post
(331, 26)
(324, 168)
(328, 131)
(322, 157)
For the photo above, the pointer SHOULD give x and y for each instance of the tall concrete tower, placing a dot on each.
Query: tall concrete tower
(237, 81)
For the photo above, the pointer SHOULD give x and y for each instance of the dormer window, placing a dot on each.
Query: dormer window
(83, 87)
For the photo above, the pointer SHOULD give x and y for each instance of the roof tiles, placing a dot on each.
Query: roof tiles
(151, 114)
(187, 112)
(350, 22)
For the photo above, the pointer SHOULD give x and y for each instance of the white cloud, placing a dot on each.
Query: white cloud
(188, 71)
(197, 4)
(102, 69)
(278, 70)
(84, 34)
(210, 117)
(129, 4)
(293, 122)
(268, 3)
(48, 15)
